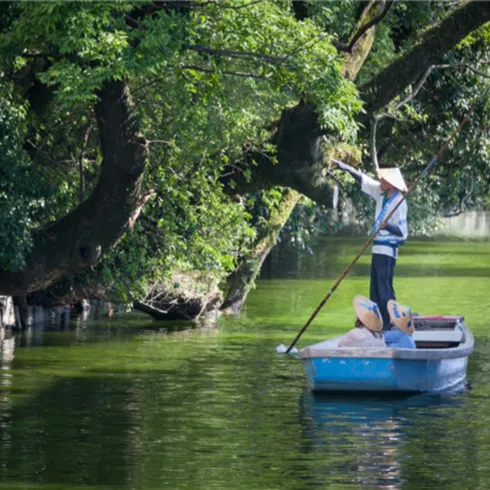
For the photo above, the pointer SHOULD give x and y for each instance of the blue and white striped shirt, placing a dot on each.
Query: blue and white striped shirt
(372, 188)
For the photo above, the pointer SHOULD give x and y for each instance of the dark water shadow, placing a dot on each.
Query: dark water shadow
(71, 434)
(386, 400)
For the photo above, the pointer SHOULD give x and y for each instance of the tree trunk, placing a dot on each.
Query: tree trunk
(77, 241)
(354, 60)
(299, 164)
(243, 279)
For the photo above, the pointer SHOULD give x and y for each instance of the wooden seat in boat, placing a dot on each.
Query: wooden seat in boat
(437, 338)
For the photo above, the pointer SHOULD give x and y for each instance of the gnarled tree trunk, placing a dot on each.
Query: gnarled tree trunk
(301, 167)
(78, 240)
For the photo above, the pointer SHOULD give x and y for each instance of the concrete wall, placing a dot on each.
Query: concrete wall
(473, 224)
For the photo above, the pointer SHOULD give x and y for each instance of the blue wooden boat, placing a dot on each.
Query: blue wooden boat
(437, 364)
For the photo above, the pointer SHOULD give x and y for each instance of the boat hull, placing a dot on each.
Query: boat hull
(437, 364)
(375, 374)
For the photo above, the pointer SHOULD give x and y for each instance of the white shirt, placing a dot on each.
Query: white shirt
(372, 188)
(361, 337)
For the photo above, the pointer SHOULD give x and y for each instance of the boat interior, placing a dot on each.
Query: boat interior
(437, 332)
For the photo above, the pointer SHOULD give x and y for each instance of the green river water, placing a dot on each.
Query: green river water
(123, 403)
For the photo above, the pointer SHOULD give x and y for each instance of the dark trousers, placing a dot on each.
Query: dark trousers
(381, 291)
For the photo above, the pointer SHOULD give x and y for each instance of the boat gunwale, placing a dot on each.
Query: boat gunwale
(464, 349)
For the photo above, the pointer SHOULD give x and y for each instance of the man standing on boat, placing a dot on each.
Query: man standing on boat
(387, 193)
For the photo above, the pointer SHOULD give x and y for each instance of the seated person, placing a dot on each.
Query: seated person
(400, 337)
(368, 330)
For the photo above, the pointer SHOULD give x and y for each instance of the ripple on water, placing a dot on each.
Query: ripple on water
(118, 406)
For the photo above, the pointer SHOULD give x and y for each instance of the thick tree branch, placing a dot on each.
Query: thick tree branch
(436, 42)
(363, 38)
(298, 163)
(298, 137)
(77, 241)
(378, 117)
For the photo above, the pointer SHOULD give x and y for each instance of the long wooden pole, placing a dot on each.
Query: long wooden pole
(380, 227)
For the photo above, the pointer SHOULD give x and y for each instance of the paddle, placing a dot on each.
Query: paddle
(281, 348)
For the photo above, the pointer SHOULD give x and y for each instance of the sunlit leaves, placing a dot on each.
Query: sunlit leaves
(296, 59)
(84, 41)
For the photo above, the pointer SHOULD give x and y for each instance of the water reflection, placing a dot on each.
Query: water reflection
(367, 434)
(148, 411)
(129, 403)
(7, 355)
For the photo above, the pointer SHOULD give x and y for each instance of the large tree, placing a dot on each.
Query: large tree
(177, 104)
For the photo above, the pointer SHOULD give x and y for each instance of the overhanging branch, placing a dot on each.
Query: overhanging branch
(436, 42)
(375, 118)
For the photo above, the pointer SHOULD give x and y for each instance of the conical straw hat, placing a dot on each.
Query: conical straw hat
(368, 312)
(401, 316)
(394, 177)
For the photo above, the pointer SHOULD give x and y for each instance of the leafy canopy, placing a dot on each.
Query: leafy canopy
(206, 80)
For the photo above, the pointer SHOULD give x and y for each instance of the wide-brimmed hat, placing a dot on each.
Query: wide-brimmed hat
(368, 312)
(401, 316)
(394, 177)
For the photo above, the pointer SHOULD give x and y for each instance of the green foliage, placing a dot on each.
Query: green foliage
(194, 227)
(20, 191)
(337, 18)
(207, 80)
(84, 41)
(88, 43)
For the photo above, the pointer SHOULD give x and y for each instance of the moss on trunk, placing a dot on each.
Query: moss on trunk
(243, 279)
(353, 61)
